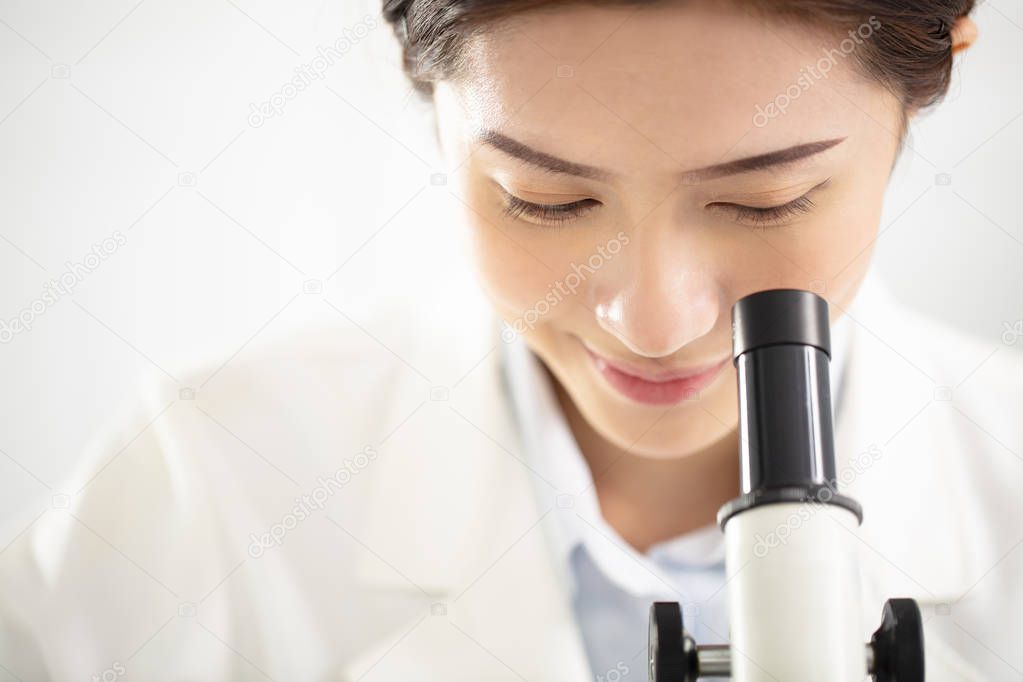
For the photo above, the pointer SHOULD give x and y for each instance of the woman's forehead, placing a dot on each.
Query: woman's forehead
(669, 84)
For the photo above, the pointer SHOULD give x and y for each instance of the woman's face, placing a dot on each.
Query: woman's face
(633, 127)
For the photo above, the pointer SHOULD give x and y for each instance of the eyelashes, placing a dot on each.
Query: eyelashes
(551, 214)
(752, 216)
(763, 217)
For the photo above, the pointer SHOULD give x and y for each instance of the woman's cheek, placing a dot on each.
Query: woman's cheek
(514, 278)
(506, 272)
(843, 236)
(523, 267)
(838, 246)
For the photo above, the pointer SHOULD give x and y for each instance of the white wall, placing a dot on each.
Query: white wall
(131, 120)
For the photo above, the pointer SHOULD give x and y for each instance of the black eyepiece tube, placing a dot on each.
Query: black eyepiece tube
(781, 348)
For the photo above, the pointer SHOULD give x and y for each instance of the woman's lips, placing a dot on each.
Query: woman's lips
(661, 388)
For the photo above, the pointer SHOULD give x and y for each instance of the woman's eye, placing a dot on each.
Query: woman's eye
(551, 214)
(761, 218)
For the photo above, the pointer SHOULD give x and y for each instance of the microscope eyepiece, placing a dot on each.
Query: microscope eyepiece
(781, 348)
(780, 316)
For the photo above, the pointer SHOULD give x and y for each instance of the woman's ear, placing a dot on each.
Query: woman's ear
(964, 34)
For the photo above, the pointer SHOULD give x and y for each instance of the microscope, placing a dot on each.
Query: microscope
(794, 608)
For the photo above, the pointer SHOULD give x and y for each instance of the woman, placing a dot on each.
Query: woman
(327, 509)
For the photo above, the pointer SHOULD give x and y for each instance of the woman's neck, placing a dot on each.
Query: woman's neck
(650, 500)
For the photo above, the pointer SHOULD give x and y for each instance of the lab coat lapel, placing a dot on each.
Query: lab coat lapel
(892, 443)
(893, 449)
(455, 525)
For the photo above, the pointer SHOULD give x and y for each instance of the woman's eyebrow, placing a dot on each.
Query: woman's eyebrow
(542, 160)
(780, 157)
(554, 164)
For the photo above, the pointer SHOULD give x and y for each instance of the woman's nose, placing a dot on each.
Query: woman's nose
(656, 300)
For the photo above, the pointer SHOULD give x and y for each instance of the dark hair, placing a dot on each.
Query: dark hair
(910, 53)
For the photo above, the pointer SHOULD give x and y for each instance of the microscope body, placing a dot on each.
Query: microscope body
(794, 608)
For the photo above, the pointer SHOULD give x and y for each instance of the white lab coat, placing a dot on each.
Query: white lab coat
(430, 561)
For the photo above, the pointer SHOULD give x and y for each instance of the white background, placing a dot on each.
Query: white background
(135, 117)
